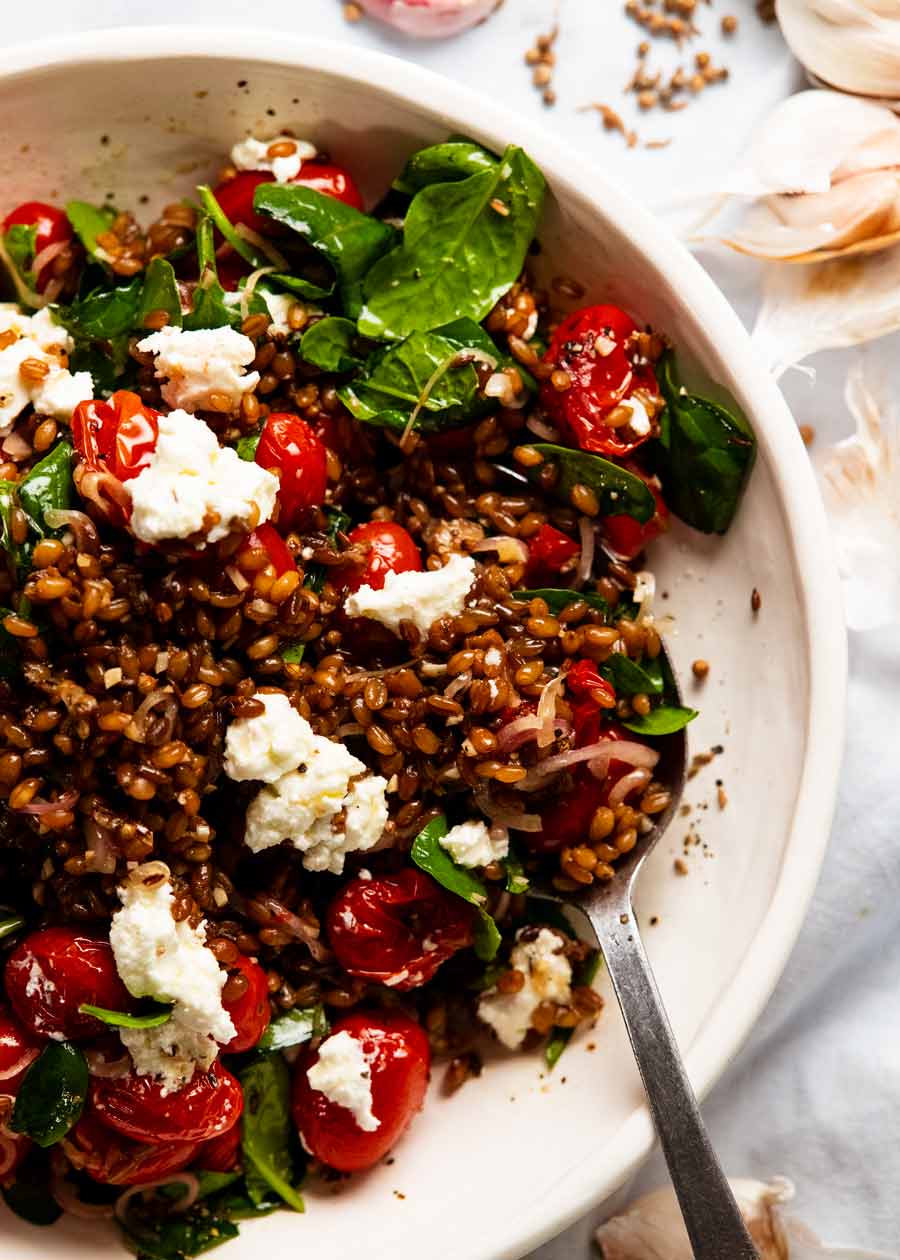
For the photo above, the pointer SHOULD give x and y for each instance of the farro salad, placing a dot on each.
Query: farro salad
(326, 628)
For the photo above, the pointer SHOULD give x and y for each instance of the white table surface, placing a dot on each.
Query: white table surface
(814, 1094)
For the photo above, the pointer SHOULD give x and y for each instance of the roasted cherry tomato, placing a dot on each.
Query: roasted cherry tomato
(567, 820)
(53, 227)
(231, 269)
(55, 971)
(396, 1050)
(287, 446)
(235, 195)
(628, 537)
(397, 929)
(590, 347)
(592, 698)
(114, 1160)
(18, 1050)
(209, 1105)
(268, 538)
(249, 1011)
(332, 180)
(391, 549)
(222, 1153)
(549, 552)
(121, 433)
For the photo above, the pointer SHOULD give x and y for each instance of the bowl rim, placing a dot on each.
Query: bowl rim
(737, 1009)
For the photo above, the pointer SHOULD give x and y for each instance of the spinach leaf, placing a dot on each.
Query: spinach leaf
(338, 523)
(557, 598)
(542, 913)
(704, 455)
(266, 1131)
(235, 1203)
(160, 293)
(246, 446)
(444, 163)
(10, 923)
(51, 1097)
(255, 257)
(156, 1014)
(350, 240)
(560, 1037)
(294, 1027)
(29, 1195)
(631, 678)
(210, 1183)
(437, 862)
(48, 485)
(665, 720)
(516, 879)
(618, 491)
(20, 244)
(209, 309)
(89, 222)
(464, 244)
(329, 343)
(104, 314)
(110, 369)
(176, 1236)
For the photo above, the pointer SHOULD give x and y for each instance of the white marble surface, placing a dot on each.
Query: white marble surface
(814, 1094)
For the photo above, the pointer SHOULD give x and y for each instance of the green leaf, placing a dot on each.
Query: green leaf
(328, 345)
(665, 720)
(51, 1097)
(516, 879)
(557, 598)
(486, 939)
(209, 1183)
(10, 923)
(110, 369)
(430, 857)
(210, 308)
(444, 163)
(631, 678)
(235, 1203)
(704, 455)
(160, 293)
(104, 314)
(246, 446)
(464, 244)
(255, 257)
(618, 491)
(176, 1236)
(29, 1195)
(560, 1037)
(266, 1131)
(89, 222)
(20, 243)
(157, 1014)
(294, 1027)
(48, 485)
(314, 578)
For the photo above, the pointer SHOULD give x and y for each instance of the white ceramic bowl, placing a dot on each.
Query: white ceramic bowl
(515, 1156)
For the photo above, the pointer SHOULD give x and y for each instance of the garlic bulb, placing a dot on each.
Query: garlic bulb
(430, 19)
(853, 45)
(652, 1228)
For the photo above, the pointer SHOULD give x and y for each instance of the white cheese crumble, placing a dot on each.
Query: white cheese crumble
(251, 154)
(548, 977)
(268, 746)
(37, 337)
(192, 485)
(279, 305)
(472, 844)
(640, 422)
(419, 597)
(157, 957)
(200, 364)
(343, 1074)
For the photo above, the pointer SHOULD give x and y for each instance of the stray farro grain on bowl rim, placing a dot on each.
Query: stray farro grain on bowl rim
(512, 1158)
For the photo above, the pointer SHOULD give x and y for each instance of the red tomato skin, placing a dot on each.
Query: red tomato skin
(18, 1050)
(548, 551)
(288, 446)
(567, 820)
(52, 226)
(121, 433)
(222, 1153)
(63, 969)
(392, 549)
(113, 1160)
(628, 537)
(209, 1105)
(599, 383)
(332, 180)
(268, 537)
(231, 269)
(378, 928)
(250, 1012)
(235, 195)
(400, 1060)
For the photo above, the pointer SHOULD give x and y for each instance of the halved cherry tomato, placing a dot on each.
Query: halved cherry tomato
(268, 538)
(397, 1053)
(235, 195)
(113, 1160)
(209, 1105)
(549, 551)
(391, 549)
(590, 347)
(249, 1011)
(222, 1153)
(52, 227)
(18, 1050)
(628, 537)
(55, 971)
(289, 447)
(397, 929)
(121, 433)
(593, 698)
(567, 820)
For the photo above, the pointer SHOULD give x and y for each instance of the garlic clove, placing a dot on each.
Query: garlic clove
(853, 45)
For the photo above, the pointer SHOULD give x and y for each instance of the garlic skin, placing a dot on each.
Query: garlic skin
(430, 19)
(652, 1228)
(853, 45)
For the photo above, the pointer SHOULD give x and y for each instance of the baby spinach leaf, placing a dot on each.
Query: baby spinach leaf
(89, 222)
(51, 1097)
(20, 245)
(154, 1016)
(557, 598)
(266, 1131)
(486, 938)
(48, 485)
(631, 678)
(444, 163)
(235, 1203)
(249, 252)
(294, 1027)
(618, 491)
(105, 313)
(110, 369)
(704, 455)
(210, 309)
(10, 922)
(246, 446)
(430, 857)
(160, 293)
(665, 720)
(329, 345)
(29, 1194)
(516, 879)
(210, 1183)
(176, 1236)
(464, 244)
(585, 975)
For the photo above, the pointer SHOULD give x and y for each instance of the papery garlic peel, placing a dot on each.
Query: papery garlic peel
(853, 45)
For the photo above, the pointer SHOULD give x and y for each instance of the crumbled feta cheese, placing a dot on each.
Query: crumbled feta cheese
(343, 1074)
(198, 364)
(192, 485)
(37, 337)
(419, 597)
(268, 746)
(157, 957)
(472, 844)
(640, 422)
(40, 987)
(644, 590)
(251, 154)
(279, 305)
(548, 978)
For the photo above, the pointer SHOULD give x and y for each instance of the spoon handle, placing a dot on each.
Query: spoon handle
(714, 1224)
